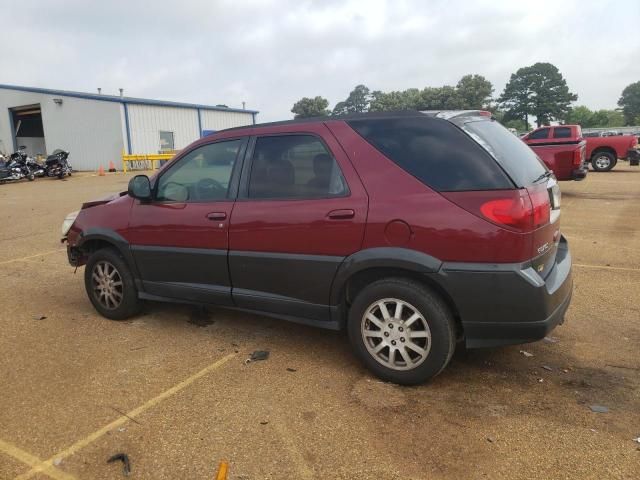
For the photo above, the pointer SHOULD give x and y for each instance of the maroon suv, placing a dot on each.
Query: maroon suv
(411, 231)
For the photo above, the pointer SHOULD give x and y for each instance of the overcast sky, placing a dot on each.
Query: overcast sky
(270, 53)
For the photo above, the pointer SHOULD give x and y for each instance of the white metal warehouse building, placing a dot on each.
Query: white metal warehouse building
(96, 128)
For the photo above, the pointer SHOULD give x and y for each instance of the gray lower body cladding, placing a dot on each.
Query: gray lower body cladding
(507, 304)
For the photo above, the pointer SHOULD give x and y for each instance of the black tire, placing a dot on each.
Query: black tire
(603, 161)
(129, 303)
(430, 307)
(31, 177)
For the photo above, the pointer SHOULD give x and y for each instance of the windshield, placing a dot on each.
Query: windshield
(517, 159)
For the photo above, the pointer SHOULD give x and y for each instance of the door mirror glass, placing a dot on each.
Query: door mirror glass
(140, 187)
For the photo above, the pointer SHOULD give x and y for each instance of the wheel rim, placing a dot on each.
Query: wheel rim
(603, 161)
(396, 334)
(107, 285)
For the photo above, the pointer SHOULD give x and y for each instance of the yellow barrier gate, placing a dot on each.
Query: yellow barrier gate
(143, 161)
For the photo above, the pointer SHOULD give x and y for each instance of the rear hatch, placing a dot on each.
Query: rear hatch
(541, 216)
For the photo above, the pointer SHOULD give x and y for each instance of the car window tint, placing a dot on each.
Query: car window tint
(435, 151)
(562, 132)
(539, 134)
(294, 166)
(201, 175)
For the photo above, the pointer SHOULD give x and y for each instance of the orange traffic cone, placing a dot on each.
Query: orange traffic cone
(101, 171)
(112, 167)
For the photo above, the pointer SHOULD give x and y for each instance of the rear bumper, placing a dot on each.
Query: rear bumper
(633, 156)
(580, 173)
(506, 304)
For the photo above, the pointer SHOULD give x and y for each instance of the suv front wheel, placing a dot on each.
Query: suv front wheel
(402, 331)
(110, 285)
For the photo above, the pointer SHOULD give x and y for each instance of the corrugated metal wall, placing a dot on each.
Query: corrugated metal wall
(146, 122)
(90, 130)
(219, 120)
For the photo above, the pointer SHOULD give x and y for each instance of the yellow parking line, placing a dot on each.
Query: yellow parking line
(606, 267)
(42, 466)
(32, 256)
(32, 461)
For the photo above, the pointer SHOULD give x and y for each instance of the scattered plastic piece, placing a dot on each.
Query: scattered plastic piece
(257, 355)
(291, 370)
(551, 339)
(599, 408)
(526, 354)
(39, 317)
(637, 440)
(57, 462)
(548, 368)
(264, 422)
(222, 471)
(490, 439)
(540, 380)
(124, 458)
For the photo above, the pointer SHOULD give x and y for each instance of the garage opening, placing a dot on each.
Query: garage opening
(28, 130)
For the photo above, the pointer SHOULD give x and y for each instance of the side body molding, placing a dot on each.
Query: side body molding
(381, 257)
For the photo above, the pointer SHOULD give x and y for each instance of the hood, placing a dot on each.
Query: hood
(103, 200)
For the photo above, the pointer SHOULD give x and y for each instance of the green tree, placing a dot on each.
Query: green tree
(310, 107)
(475, 92)
(440, 98)
(539, 90)
(397, 100)
(630, 103)
(587, 118)
(357, 102)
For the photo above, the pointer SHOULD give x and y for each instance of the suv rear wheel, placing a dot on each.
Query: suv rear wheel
(110, 286)
(402, 331)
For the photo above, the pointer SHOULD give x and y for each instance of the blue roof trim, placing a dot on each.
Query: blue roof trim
(130, 100)
(126, 124)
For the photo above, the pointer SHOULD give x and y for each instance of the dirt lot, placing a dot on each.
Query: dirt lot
(171, 389)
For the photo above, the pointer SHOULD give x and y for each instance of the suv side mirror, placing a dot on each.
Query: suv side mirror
(140, 187)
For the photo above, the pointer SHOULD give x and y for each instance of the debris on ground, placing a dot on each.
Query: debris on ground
(122, 429)
(223, 468)
(526, 354)
(257, 355)
(637, 440)
(264, 422)
(490, 439)
(57, 462)
(124, 458)
(548, 368)
(551, 339)
(200, 317)
(540, 380)
(291, 370)
(39, 317)
(599, 408)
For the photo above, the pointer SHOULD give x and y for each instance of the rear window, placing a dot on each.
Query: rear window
(434, 151)
(518, 160)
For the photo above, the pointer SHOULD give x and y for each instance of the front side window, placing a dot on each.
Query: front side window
(294, 166)
(539, 134)
(202, 175)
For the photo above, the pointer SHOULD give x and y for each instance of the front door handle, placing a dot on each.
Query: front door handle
(344, 214)
(216, 216)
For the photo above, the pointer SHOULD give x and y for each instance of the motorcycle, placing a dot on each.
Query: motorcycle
(18, 166)
(57, 164)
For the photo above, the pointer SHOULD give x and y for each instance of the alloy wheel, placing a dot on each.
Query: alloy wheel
(603, 162)
(396, 334)
(107, 285)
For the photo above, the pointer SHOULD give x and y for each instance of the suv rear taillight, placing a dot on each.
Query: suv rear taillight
(521, 210)
(579, 156)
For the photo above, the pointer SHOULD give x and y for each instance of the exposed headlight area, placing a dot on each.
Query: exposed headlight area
(68, 221)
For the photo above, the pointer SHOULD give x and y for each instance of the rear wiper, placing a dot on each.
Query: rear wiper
(546, 174)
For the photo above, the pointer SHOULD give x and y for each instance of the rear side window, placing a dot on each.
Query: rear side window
(434, 151)
(562, 132)
(515, 156)
(294, 167)
(539, 134)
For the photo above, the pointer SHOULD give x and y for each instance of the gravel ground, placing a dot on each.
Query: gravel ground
(70, 380)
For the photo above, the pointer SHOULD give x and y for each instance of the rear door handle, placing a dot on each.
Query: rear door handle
(216, 216)
(344, 214)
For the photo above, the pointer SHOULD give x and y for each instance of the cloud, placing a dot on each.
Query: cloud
(271, 53)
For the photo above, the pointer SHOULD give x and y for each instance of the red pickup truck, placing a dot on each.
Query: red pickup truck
(602, 152)
(562, 149)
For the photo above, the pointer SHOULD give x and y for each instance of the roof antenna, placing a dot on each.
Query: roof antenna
(121, 92)
(99, 91)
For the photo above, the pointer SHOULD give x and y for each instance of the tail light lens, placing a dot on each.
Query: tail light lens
(522, 210)
(579, 156)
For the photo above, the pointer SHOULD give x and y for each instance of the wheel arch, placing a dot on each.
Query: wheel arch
(367, 266)
(605, 149)
(97, 238)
